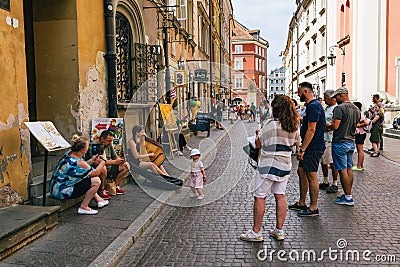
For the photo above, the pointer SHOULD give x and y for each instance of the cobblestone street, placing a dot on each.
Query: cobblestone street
(207, 235)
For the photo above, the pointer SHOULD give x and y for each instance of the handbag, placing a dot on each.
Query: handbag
(253, 154)
(111, 187)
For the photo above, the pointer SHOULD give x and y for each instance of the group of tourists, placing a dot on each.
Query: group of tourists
(328, 136)
(81, 171)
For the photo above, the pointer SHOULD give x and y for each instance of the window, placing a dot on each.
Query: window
(315, 49)
(239, 63)
(323, 4)
(347, 19)
(397, 65)
(180, 12)
(238, 49)
(314, 9)
(238, 80)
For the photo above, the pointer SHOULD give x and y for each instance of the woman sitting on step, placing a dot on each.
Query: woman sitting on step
(138, 159)
(74, 177)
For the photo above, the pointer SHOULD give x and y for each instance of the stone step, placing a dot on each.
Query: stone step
(23, 224)
(50, 201)
(68, 203)
(38, 164)
(36, 187)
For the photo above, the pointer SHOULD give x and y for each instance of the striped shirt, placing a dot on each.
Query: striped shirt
(275, 161)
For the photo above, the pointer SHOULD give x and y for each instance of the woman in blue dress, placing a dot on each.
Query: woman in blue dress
(74, 177)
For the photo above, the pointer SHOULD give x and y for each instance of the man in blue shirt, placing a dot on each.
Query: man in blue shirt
(311, 150)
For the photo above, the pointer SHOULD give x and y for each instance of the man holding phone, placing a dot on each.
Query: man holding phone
(117, 167)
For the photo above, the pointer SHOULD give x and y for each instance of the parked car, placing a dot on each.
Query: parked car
(396, 121)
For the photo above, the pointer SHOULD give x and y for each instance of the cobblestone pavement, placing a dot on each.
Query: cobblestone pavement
(207, 235)
(78, 240)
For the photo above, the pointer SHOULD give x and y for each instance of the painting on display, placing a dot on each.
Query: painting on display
(115, 125)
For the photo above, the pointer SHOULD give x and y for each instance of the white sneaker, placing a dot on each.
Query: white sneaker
(87, 212)
(252, 236)
(201, 197)
(180, 153)
(277, 235)
(188, 148)
(102, 203)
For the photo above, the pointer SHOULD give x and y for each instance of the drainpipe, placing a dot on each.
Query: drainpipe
(166, 59)
(111, 58)
(211, 50)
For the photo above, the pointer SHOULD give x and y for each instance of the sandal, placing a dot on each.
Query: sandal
(374, 155)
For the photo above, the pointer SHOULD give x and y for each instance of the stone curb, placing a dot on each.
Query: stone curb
(118, 248)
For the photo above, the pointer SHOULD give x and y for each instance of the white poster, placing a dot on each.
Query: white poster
(47, 134)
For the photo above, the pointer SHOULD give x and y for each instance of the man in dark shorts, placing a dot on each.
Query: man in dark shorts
(117, 167)
(311, 150)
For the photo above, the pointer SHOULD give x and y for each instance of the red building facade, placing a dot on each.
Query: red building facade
(249, 65)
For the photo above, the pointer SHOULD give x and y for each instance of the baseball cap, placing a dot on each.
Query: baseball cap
(340, 90)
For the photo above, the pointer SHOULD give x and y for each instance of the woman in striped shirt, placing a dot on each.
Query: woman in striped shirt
(276, 139)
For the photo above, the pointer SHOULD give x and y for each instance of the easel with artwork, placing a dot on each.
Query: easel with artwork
(47, 135)
(170, 126)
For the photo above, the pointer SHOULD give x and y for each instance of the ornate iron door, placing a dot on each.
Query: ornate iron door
(137, 66)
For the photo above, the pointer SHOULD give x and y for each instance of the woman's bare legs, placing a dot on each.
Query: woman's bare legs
(92, 192)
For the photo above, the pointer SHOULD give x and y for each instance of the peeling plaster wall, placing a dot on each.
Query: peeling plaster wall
(91, 47)
(92, 101)
(14, 137)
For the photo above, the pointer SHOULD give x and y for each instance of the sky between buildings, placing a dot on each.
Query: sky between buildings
(272, 17)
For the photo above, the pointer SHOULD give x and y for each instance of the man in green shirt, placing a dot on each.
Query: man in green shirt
(117, 167)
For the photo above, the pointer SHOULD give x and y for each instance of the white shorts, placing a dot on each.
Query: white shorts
(265, 186)
(327, 156)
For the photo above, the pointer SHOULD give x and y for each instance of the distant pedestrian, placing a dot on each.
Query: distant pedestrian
(326, 160)
(266, 112)
(376, 99)
(345, 118)
(377, 129)
(310, 152)
(197, 174)
(218, 110)
(360, 136)
(253, 112)
(275, 139)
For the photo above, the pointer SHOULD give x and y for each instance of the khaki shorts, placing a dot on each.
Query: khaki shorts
(265, 186)
(327, 156)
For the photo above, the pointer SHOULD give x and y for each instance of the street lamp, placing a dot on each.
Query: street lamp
(332, 57)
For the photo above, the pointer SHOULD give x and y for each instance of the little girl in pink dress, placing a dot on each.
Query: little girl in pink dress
(197, 175)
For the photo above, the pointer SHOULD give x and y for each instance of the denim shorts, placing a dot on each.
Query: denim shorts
(342, 154)
(311, 160)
